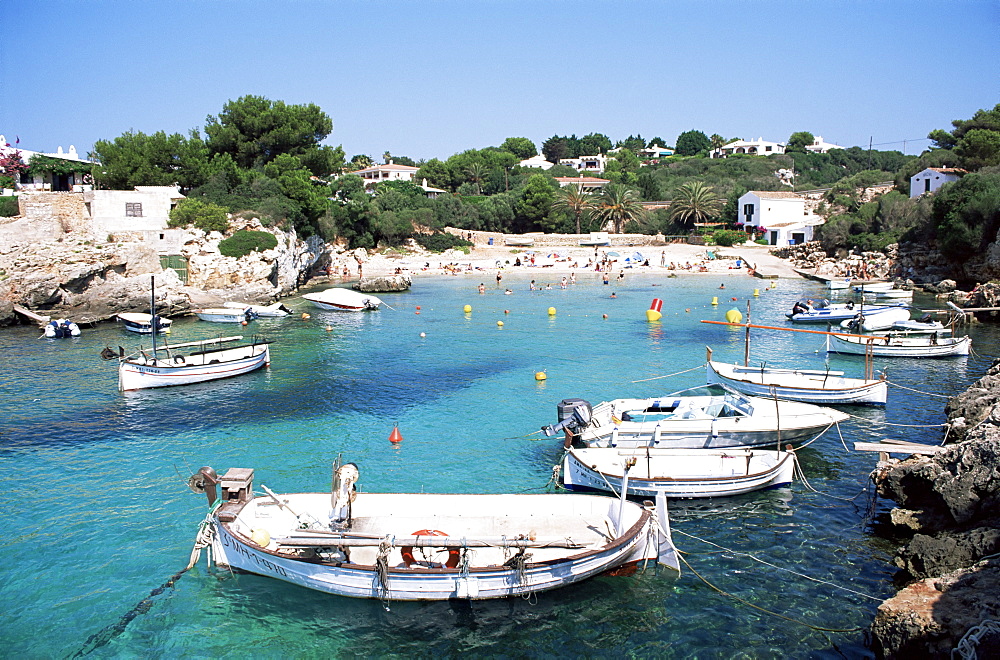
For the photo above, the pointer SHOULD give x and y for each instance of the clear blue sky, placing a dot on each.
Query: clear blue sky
(431, 78)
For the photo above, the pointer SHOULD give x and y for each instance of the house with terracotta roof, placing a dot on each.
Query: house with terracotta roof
(932, 178)
(758, 147)
(782, 216)
(386, 172)
(584, 183)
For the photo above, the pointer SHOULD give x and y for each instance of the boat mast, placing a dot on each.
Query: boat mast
(746, 340)
(152, 310)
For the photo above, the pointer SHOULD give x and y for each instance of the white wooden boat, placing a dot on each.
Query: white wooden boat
(881, 320)
(60, 329)
(873, 286)
(143, 323)
(421, 546)
(276, 310)
(895, 294)
(343, 300)
(926, 346)
(686, 473)
(921, 326)
(809, 386)
(705, 417)
(226, 314)
(211, 359)
(839, 284)
(805, 312)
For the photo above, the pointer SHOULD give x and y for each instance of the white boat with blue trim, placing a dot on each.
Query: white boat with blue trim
(423, 546)
(822, 387)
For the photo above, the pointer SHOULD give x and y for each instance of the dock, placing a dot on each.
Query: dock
(888, 446)
(27, 313)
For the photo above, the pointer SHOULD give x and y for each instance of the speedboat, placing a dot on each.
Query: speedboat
(60, 329)
(424, 546)
(343, 300)
(277, 310)
(143, 323)
(809, 386)
(226, 314)
(683, 473)
(703, 417)
(826, 312)
(879, 320)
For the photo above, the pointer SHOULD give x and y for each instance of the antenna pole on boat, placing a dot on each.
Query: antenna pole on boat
(152, 311)
(746, 340)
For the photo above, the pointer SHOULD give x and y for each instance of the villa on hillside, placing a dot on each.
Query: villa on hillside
(47, 181)
(758, 147)
(932, 178)
(781, 215)
(595, 164)
(387, 172)
(536, 161)
(820, 147)
(584, 183)
(654, 151)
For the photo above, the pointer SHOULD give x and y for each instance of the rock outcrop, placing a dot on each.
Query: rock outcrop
(384, 283)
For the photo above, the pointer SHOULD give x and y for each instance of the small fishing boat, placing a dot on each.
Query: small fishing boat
(881, 320)
(60, 329)
(873, 286)
(343, 300)
(422, 546)
(926, 346)
(226, 314)
(277, 310)
(826, 312)
(681, 473)
(710, 417)
(810, 386)
(894, 294)
(923, 325)
(143, 323)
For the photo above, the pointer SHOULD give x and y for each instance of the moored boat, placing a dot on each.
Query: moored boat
(422, 546)
(926, 346)
(873, 286)
(226, 314)
(211, 359)
(679, 473)
(809, 386)
(60, 329)
(880, 320)
(923, 325)
(276, 310)
(143, 323)
(343, 300)
(704, 417)
(824, 312)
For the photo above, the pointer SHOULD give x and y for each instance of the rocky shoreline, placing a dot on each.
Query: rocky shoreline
(948, 521)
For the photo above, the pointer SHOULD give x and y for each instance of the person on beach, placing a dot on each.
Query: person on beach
(621, 276)
(499, 278)
(722, 286)
(663, 259)
(482, 288)
(613, 295)
(507, 292)
(572, 278)
(605, 278)
(531, 287)
(562, 283)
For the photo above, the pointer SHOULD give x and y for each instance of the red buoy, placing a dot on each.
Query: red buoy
(657, 305)
(395, 436)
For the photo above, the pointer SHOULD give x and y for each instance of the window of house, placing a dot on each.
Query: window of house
(767, 148)
(133, 209)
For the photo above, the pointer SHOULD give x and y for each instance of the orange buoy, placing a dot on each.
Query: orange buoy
(395, 436)
(418, 306)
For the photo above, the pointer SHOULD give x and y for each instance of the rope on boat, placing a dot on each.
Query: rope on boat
(700, 366)
(764, 610)
(903, 387)
(109, 633)
(382, 573)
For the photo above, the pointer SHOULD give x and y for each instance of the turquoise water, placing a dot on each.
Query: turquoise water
(99, 516)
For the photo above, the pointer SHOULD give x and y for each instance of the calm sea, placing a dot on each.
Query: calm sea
(98, 514)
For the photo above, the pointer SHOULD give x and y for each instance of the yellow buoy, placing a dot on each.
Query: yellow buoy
(734, 316)
(715, 300)
(653, 315)
(261, 537)
(756, 293)
(540, 375)
(467, 309)
(305, 317)
(500, 324)
(552, 311)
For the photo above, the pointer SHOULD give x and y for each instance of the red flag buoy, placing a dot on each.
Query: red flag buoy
(395, 436)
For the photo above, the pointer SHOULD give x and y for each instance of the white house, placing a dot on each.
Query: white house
(387, 172)
(654, 151)
(536, 161)
(595, 164)
(585, 183)
(783, 216)
(758, 147)
(430, 191)
(46, 181)
(932, 178)
(143, 212)
(820, 147)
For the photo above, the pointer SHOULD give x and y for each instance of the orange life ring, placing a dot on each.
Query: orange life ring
(407, 550)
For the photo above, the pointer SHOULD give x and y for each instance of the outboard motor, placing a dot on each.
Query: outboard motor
(574, 416)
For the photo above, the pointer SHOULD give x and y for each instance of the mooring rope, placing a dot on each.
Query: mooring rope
(968, 647)
(801, 475)
(700, 366)
(903, 387)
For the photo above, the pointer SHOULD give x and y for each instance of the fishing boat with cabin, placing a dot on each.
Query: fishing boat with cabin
(425, 546)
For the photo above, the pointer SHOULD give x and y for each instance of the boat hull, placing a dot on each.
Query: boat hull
(343, 300)
(387, 517)
(912, 347)
(136, 373)
(678, 473)
(142, 323)
(794, 385)
(840, 313)
(224, 315)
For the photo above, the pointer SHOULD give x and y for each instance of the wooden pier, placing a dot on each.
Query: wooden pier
(27, 313)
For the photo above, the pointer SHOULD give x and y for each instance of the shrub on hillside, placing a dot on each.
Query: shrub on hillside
(729, 237)
(203, 215)
(441, 241)
(246, 241)
(8, 207)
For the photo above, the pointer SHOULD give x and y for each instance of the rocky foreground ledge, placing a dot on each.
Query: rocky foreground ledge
(949, 520)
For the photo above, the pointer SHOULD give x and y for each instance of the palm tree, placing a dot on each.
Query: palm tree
(572, 198)
(717, 141)
(694, 202)
(618, 206)
(476, 173)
